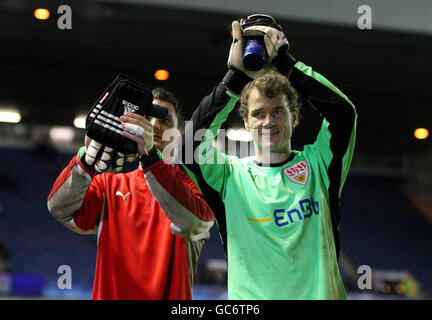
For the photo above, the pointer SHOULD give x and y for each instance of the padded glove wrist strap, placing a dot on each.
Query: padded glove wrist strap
(235, 80)
(81, 156)
(284, 62)
(148, 160)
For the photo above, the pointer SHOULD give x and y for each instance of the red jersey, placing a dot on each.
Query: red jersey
(143, 252)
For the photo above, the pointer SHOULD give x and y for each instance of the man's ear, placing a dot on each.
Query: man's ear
(295, 119)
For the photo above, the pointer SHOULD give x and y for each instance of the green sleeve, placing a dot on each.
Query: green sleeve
(336, 138)
(216, 166)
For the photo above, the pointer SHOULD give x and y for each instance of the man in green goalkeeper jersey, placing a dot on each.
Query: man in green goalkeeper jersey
(278, 211)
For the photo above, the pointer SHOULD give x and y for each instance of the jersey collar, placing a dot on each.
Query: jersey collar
(279, 164)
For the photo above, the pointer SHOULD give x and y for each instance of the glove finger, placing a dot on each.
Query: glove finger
(255, 31)
(107, 154)
(100, 166)
(277, 37)
(104, 162)
(261, 15)
(236, 30)
(131, 157)
(118, 162)
(92, 152)
(236, 51)
(273, 46)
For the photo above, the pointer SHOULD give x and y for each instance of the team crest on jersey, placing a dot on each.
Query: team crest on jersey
(298, 172)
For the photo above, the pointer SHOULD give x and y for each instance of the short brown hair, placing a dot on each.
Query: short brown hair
(165, 95)
(271, 84)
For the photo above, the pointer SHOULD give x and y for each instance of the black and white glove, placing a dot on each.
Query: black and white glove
(123, 95)
(119, 159)
(100, 158)
(96, 156)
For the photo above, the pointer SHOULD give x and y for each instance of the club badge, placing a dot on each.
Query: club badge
(298, 173)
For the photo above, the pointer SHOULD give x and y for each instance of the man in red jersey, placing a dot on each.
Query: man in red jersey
(151, 223)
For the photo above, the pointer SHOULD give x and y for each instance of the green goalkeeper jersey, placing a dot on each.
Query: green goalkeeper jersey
(280, 222)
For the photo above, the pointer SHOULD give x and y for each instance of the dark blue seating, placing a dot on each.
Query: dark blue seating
(381, 228)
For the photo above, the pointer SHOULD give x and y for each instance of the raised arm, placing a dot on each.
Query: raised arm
(75, 200)
(338, 130)
(339, 125)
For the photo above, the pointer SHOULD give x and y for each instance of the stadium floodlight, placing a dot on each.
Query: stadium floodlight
(79, 122)
(41, 14)
(11, 116)
(239, 134)
(421, 133)
(161, 74)
(62, 134)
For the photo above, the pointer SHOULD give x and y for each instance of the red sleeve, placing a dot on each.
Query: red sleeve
(76, 198)
(180, 199)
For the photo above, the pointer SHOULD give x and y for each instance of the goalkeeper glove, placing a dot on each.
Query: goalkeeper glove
(96, 156)
(275, 41)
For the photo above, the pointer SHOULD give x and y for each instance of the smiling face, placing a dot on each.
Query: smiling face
(270, 109)
(271, 123)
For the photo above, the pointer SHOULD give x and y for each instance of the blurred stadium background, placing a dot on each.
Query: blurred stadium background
(51, 76)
